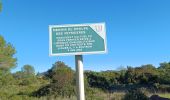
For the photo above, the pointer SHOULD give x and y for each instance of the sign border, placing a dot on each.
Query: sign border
(76, 53)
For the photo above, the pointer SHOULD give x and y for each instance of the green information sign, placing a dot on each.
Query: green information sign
(77, 39)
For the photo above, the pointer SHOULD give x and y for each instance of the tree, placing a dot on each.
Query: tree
(6, 78)
(28, 75)
(28, 70)
(130, 75)
(146, 74)
(0, 5)
(164, 72)
(62, 81)
(101, 80)
(7, 52)
(18, 75)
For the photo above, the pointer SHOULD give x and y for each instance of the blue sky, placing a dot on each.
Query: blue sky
(138, 31)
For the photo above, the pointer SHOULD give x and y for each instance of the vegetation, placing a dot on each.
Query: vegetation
(62, 82)
(135, 95)
(132, 83)
(7, 52)
(0, 6)
(165, 95)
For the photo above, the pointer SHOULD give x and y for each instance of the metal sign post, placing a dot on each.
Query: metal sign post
(79, 77)
(77, 39)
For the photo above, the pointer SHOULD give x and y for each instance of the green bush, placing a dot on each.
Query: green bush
(135, 95)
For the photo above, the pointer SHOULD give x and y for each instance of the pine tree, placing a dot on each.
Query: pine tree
(7, 51)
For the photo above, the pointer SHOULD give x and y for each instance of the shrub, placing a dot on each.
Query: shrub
(135, 95)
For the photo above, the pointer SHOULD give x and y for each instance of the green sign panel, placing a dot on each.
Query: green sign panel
(77, 39)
